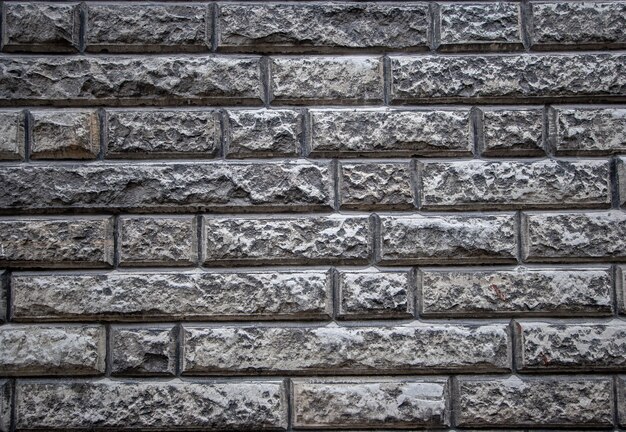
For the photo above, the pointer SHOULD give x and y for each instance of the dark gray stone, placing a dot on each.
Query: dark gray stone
(12, 136)
(6, 391)
(64, 134)
(512, 132)
(143, 351)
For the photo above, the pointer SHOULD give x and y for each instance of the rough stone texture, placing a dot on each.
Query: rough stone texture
(376, 186)
(332, 80)
(5, 405)
(621, 400)
(162, 133)
(571, 347)
(418, 348)
(51, 350)
(143, 351)
(171, 296)
(41, 27)
(382, 132)
(122, 80)
(476, 184)
(48, 242)
(369, 403)
(526, 77)
(11, 135)
(488, 27)
(169, 187)
(64, 134)
(588, 131)
(535, 402)
(4, 280)
(518, 292)
(578, 25)
(151, 405)
(289, 240)
(263, 133)
(148, 28)
(374, 294)
(512, 132)
(445, 239)
(157, 241)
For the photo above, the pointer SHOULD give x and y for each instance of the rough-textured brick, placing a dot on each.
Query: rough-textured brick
(263, 133)
(289, 240)
(521, 291)
(162, 133)
(500, 185)
(4, 280)
(463, 239)
(419, 348)
(11, 135)
(449, 78)
(143, 351)
(51, 350)
(376, 186)
(571, 347)
(55, 242)
(588, 131)
(578, 25)
(382, 132)
(333, 80)
(5, 405)
(157, 240)
(123, 80)
(535, 402)
(512, 132)
(169, 187)
(369, 403)
(171, 296)
(375, 294)
(322, 27)
(64, 134)
(621, 400)
(41, 27)
(148, 28)
(151, 405)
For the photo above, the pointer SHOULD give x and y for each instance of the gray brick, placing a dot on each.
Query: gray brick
(588, 131)
(140, 405)
(52, 350)
(368, 403)
(65, 134)
(620, 288)
(170, 296)
(621, 400)
(512, 132)
(370, 185)
(490, 185)
(445, 239)
(12, 136)
(143, 351)
(148, 28)
(53, 242)
(535, 402)
(517, 292)
(5, 405)
(4, 291)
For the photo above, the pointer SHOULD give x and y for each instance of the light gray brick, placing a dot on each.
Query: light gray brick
(588, 131)
(12, 136)
(620, 288)
(65, 134)
(371, 185)
(4, 291)
(512, 132)
(5, 405)
(143, 351)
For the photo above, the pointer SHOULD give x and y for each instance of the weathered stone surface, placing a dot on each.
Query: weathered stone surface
(447, 239)
(368, 403)
(11, 135)
(535, 402)
(490, 185)
(521, 291)
(621, 400)
(332, 80)
(383, 132)
(504, 78)
(169, 187)
(169, 296)
(512, 132)
(148, 28)
(376, 186)
(51, 350)
(162, 133)
(262, 133)
(417, 348)
(122, 80)
(4, 279)
(288, 240)
(589, 131)
(154, 240)
(574, 237)
(151, 405)
(5, 405)
(571, 347)
(65, 134)
(41, 27)
(49, 242)
(578, 25)
(375, 294)
(488, 26)
(320, 27)
(144, 351)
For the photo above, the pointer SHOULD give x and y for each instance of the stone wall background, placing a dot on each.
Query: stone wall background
(306, 215)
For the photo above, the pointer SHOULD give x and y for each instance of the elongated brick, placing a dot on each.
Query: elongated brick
(64, 134)
(143, 351)
(588, 131)
(171, 296)
(12, 138)
(384, 186)
(512, 132)
(51, 350)
(418, 348)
